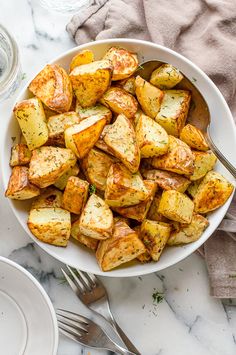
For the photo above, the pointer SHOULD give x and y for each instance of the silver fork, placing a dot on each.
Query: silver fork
(92, 293)
(86, 332)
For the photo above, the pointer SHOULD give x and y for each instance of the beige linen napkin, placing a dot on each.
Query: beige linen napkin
(205, 32)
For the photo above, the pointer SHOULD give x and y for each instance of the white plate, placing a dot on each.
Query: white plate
(28, 324)
(223, 133)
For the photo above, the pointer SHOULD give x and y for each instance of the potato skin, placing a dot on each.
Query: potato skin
(123, 246)
(124, 62)
(120, 101)
(179, 158)
(188, 233)
(127, 84)
(121, 140)
(203, 162)
(90, 81)
(213, 192)
(19, 187)
(176, 206)
(166, 77)
(90, 243)
(50, 197)
(32, 121)
(149, 97)
(192, 136)
(50, 225)
(48, 164)
(153, 213)
(167, 180)
(83, 57)
(20, 155)
(52, 85)
(75, 195)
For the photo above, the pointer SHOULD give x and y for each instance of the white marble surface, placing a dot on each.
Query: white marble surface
(188, 321)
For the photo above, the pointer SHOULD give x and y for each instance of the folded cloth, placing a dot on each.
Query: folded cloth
(202, 30)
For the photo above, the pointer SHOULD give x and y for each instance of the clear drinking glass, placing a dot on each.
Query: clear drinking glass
(10, 72)
(66, 6)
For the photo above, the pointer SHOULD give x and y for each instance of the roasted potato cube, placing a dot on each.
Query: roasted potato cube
(120, 101)
(31, 118)
(57, 126)
(19, 187)
(174, 111)
(167, 180)
(213, 192)
(96, 165)
(121, 140)
(153, 213)
(96, 220)
(127, 84)
(154, 236)
(124, 188)
(203, 162)
(152, 139)
(75, 195)
(193, 187)
(140, 210)
(61, 182)
(83, 57)
(81, 137)
(50, 197)
(124, 62)
(50, 225)
(179, 158)
(101, 144)
(176, 206)
(123, 246)
(149, 97)
(20, 155)
(90, 243)
(53, 87)
(188, 233)
(166, 77)
(48, 164)
(90, 81)
(192, 136)
(99, 109)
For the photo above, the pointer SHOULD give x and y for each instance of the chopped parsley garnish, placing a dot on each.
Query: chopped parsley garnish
(157, 297)
(92, 189)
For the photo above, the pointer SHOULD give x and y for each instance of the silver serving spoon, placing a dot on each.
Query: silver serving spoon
(199, 114)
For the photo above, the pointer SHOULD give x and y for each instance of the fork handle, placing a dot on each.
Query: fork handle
(125, 339)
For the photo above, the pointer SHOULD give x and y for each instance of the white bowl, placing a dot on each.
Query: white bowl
(223, 133)
(28, 323)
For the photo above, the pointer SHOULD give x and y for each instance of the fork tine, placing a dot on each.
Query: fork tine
(86, 279)
(68, 314)
(77, 280)
(72, 324)
(74, 287)
(69, 329)
(70, 335)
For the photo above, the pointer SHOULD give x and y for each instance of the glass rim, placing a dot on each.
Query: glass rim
(15, 64)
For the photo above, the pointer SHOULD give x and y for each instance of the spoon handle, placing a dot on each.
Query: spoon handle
(220, 156)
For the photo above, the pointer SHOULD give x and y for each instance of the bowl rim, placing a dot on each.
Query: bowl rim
(153, 267)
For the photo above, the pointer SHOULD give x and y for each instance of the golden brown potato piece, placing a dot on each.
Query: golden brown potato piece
(50, 225)
(90, 81)
(99, 109)
(145, 257)
(123, 246)
(179, 158)
(167, 180)
(213, 192)
(124, 62)
(189, 233)
(127, 84)
(154, 236)
(96, 165)
(61, 182)
(153, 213)
(149, 96)
(52, 85)
(83, 57)
(19, 187)
(32, 121)
(121, 140)
(80, 138)
(50, 197)
(140, 210)
(124, 188)
(174, 111)
(101, 144)
(120, 101)
(176, 206)
(75, 195)
(96, 220)
(166, 77)
(57, 126)
(48, 164)
(90, 243)
(152, 139)
(193, 187)
(203, 162)
(192, 136)
(20, 155)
